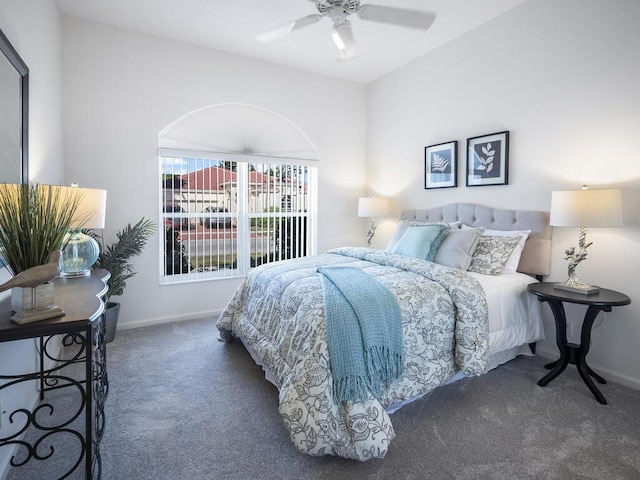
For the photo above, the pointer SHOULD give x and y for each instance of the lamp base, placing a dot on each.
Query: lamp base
(371, 232)
(79, 254)
(576, 286)
(573, 283)
(77, 273)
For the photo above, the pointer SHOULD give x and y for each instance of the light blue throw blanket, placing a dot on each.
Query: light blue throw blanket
(364, 333)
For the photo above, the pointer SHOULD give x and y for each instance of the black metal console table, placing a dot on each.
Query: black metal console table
(81, 369)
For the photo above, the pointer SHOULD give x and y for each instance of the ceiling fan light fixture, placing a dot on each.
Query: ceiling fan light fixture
(338, 40)
(341, 34)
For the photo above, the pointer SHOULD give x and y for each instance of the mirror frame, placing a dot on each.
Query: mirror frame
(12, 55)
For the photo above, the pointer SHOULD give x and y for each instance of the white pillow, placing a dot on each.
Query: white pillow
(514, 259)
(457, 248)
(464, 226)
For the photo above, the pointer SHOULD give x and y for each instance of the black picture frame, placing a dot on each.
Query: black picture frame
(488, 159)
(441, 165)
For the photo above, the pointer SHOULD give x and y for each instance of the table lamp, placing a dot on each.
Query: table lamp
(82, 251)
(584, 208)
(372, 207)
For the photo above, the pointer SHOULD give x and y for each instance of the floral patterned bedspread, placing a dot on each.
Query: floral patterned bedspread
(278, 313)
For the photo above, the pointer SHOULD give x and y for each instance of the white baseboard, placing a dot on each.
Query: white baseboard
(609, 375)
(174, 318)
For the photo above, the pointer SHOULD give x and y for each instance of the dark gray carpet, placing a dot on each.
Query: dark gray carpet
(184, 406)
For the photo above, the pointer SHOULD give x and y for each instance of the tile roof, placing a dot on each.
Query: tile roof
(215, 178)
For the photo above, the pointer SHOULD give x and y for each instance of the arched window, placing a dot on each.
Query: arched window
(238, 189)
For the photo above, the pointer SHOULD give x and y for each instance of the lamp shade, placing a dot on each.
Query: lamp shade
(586, 208)
(372, 206)
(91, 209)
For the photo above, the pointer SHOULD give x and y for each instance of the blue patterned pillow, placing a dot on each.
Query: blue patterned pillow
(421, 240)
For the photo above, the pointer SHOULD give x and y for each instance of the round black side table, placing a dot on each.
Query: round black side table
(604, 300)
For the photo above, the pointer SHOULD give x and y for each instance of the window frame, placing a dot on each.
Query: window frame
(243, 216)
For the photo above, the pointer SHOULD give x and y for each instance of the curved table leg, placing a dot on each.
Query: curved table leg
(559, 365)
(598, 378)
(581, 358)
(582, 370)
(549, 366)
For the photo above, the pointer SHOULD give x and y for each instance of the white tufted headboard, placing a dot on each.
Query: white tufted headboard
(536, 256)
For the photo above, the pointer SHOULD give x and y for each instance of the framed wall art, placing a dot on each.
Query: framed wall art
(488, 159)
(441, 165)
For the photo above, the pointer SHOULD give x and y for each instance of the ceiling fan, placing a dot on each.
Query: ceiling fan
(339, 10)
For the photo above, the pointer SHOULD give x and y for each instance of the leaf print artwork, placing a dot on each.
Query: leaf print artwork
(488, 159)
(486, 163)
(485, 155)
(488, 151)
(439, 163)
(490, 154)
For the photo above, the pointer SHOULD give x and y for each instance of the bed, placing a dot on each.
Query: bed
(461, 314)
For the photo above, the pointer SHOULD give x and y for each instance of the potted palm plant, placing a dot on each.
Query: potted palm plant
(116, 259)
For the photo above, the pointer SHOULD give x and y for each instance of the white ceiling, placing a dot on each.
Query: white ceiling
(231, 26)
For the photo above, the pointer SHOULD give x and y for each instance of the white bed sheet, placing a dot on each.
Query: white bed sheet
(514, 314)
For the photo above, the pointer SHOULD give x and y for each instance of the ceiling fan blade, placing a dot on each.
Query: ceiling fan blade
(282, 30)
(343, 38)
(396, 16)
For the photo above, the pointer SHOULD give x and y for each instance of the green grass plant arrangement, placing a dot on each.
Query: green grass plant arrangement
(34, 220)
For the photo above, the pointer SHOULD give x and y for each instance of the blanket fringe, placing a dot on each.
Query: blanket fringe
(351, 388)
(383, 367)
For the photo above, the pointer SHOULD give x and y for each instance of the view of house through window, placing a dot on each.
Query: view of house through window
(223, 217)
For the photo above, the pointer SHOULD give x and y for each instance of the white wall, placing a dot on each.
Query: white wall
(563, 78)
(122, 88)
(33, 28)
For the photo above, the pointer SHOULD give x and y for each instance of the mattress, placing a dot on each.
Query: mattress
(514, 314)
